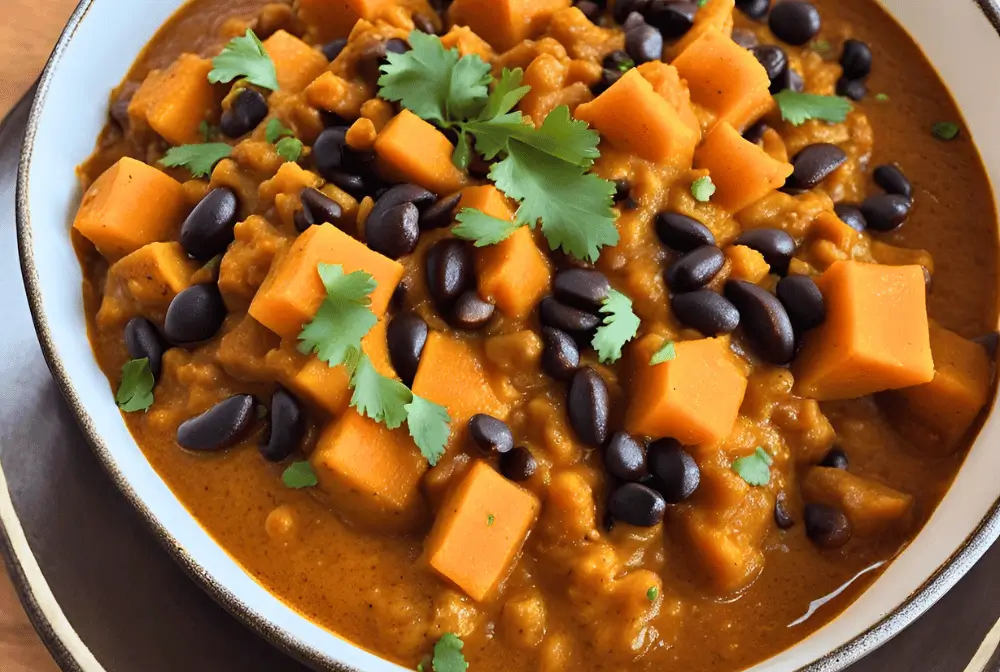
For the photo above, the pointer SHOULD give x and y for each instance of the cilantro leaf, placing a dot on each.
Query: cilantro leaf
(276, 130)
(560, 136)
(490, 519)
(946, 130)
(703, 189)
(507, 93)
(290, 149)
(484, 229)
(245, 57)
(666, 353)
(470, 83)
(652, 593)
(135, 393)
(199, 159)
(448, 654)
(755, 469)
(344, 317)
(378, 397)
(462, 155)
(797, 108)
(207, 130)
(429, 426)
(619, 327)
(882, 97)
(299, 475)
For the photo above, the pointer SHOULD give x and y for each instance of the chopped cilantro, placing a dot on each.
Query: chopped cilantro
(429, 427)
(821, 46)
(620, 326)
(207, 130)
(946, 130)
(448, 654)
(702, 3)
(276, 130)
(626, 65)
(135, 393)
(344, 317)
(299, 475)
(755, 469)
(490, 519)
(379, 397)
(882, 97)
(245, 57)
(198, 159)
(702, 189)
(482, 228)
(652, 593)
(666, 353)
(797, 108)
(290, 149)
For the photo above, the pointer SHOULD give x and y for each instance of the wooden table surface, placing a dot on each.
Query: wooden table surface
(28, 31)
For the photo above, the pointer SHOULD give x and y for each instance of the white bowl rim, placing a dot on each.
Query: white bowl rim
(909, 610)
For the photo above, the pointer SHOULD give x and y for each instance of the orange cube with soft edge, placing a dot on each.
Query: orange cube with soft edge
(129, 206)
(155, 273)
(296, 63)
(175, 102)
(716, 15)
(480, 530)
(667, 82)
(652, 129)
(694, 398)
(505, 23)
(293, 291)
(726, 79)
(411, 150)
(742, 172)
(331, 19)
(875, 337)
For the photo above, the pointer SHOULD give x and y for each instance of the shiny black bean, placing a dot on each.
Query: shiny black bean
(815, 163)
(765, 321)
(989, 342)
(886, 212)
(317, 208)
(395, 232)
(706, 311)
(625, 458)
(491, 436)
(590, 9)
(827, 526)
(608, 79)
(195, 315)
(287, 428)
(644, 43)
(588, 407)
(399, 195)
(755, 9)
(675, 473)
(637, 505)
(208, 230)
(836, 459)
(745, 38)
(672, 18)
(632, 21)
(695, 269)
(802, 301)
(471, 312)
(581, 288)
(856, 59)
(755, 133)
(790, 80)
(424, 24)
(143, 341)
(851, 215)
(682, 233)
(220, 427)
(623, 8)
(554, 313)
(561, 357)
(328, 152)
(396, 46)
(782, 518)
(855, 89)
(450, 271)
(248, 109)
(617, 60)
(352, 184)
(518, 465)
(623, 193)
(775, 62)
(332, 49)
(440, 214)
(795, 21)
(892, 180)
(406, 337)
(775, 245)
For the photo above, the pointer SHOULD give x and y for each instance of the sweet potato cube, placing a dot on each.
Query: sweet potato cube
(725, 79)
(694, 398)
(872, 507)
(174, 102)
(715, 16)
(480, 530)
(504, 23)
(293, 291)
(747, 264)
(371, 474)
(155, 274)
(667, 83)
(129, 206)
(653, 129)
(296, 62)
(876, 335)
(330, 19)
(742, 172)
(467, 42)
(411, 150)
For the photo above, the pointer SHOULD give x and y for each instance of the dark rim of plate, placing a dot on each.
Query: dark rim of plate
(942, 580)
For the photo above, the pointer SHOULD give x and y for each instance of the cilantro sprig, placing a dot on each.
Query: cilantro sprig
(619, 327)
(200, 160)
(344, 317)
(448, 655)
(299, 475)
(755, 468)
(797, 108)
(283, 138)
(666, 353)
(245, 57)
(135, 393)
(703, 189)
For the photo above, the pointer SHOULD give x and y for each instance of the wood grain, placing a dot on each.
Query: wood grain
(28, 31)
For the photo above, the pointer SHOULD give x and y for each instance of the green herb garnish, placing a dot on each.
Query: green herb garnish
(703, 189)
(882, 97)
(483, 229)
(283, 138)
(490, 519)
(448, 655)
(135, 393)
(821, 46)
(797, 108)
(207, 131)
(626, 65)
(429, 426)
(198, 159)
(755, 469)
(299, 475)
(275, 130)
(245, 57)
(946, 130)
(666, 353)
(619, 327)
(652, 593)
(344, 317)
(702, 3)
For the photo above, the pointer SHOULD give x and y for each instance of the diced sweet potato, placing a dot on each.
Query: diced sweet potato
(243, 351)
(827, 226)
(480, 530)
(875, 337)
(296, 63)
(293, 290)
(746, 264)
(504, 23)
(290, 180)
(371, 474)
(694, 398)
(155, 274)
(715, 16)
(741, 171)
(872, 508)
(129, 206)
(653, 129)
(174, 102)
(467, 43)
(725, 79)
(411, 150)
(667, 82)
(331, 19)
(248, 260)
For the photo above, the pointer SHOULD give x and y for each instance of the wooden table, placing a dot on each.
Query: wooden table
(28, 31)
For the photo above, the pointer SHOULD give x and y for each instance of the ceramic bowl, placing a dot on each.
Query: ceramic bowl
(93, 55)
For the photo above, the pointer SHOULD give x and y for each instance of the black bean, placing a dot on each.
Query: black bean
(554, 313)
(775, 62)
(855, 89)
(328, 152)
(706, 311)
(471, 312)
(561, 357)
(400, 194)
(637, 505)
(695, 269)
(755, 133)
(247, 110)
(765, 321)
(352, 184)
(755, 9)
(617, 60)
(815, 163)
(581, 288)
(836, 459)
(625, 458)
(220, 427)
(406, 338)
(672, 18)
(287, 427)
(682, 233)
(396, 46)
(827, 526)
(802, 301)
(450, 271)
(317, 208)
(632, 21)
(989, 342)
(794, 21)
(608, 79)
(790, 80)
(588, 407)
(886, 212)
(675, 473)
(395, 232)
(143, 341)
(440, 214)
(745, 38)
(491, 436)
(332, 49)
(775, 245)
(590, 9)
(856, 59)
(851, 215)
(208, 230)
(518, 465)
(892, 180)
(424, 24)
(782, 518)
(195, 315)
(644, 43)
(623, 8)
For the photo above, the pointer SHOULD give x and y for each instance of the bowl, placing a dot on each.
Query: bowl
(94, 53)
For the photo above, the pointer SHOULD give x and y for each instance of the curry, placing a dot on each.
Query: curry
(536, 336)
